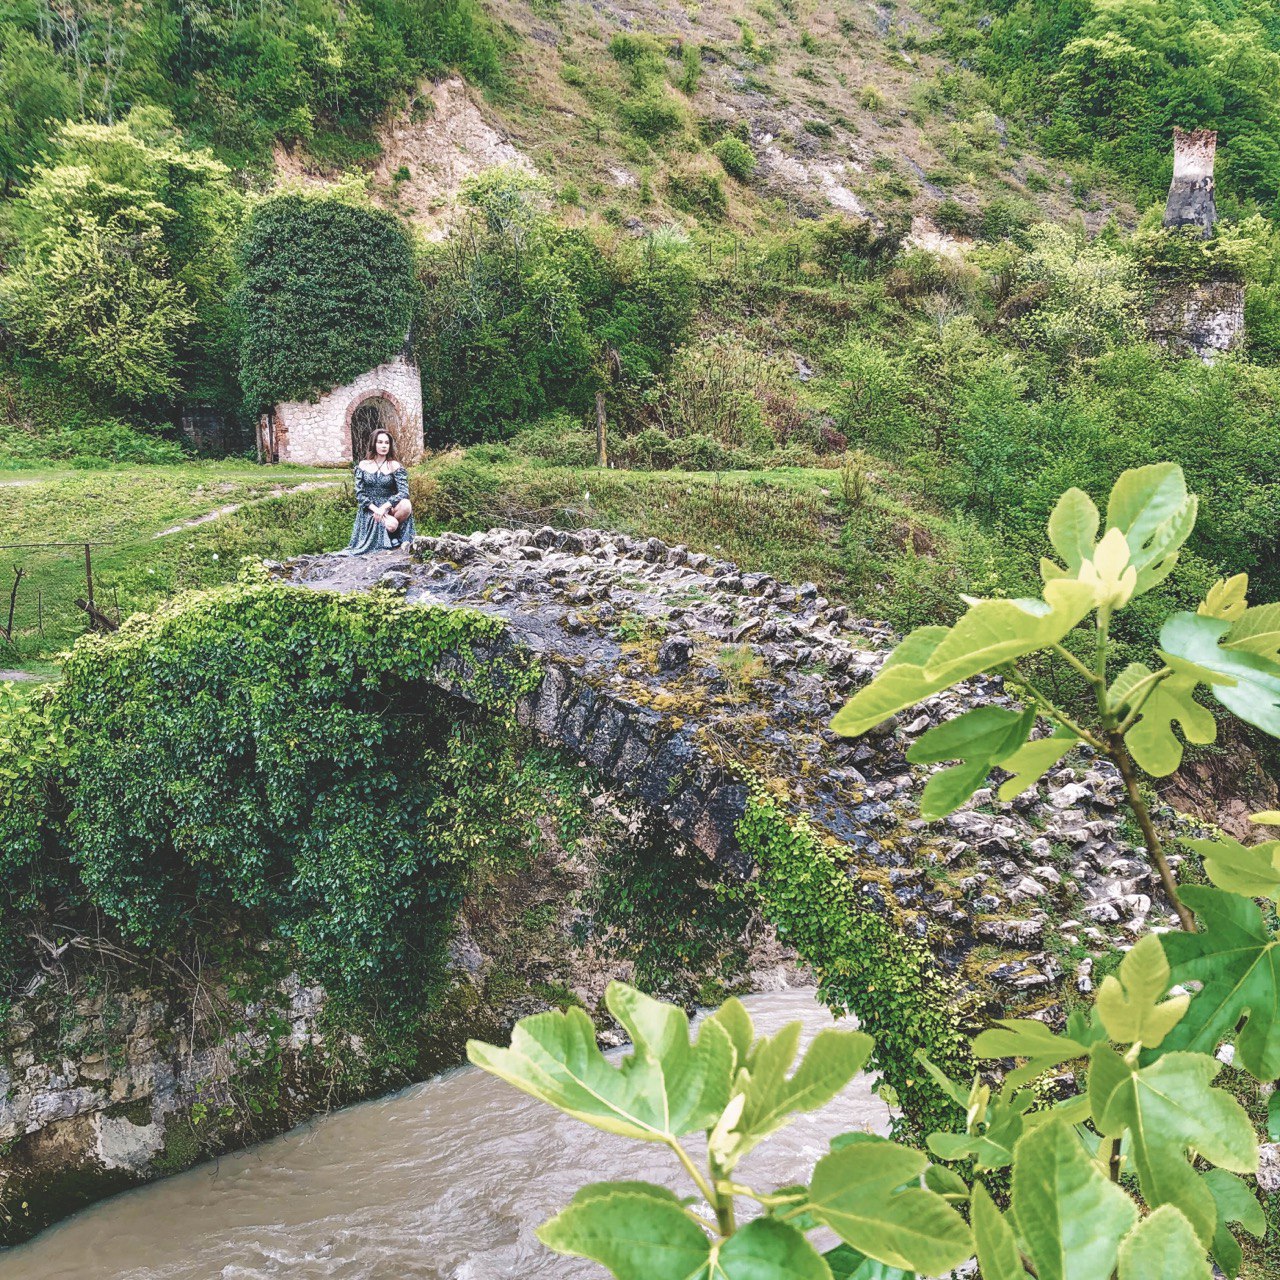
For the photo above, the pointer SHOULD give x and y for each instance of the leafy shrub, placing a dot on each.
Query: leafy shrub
(644, 55)
(653, 114)
(123, 266)
(1007, 217)
(1081, 297)
(343, 803)
(711, 391)
(951, 215)
(690, 68)
(738, 159)
(327, 293)
(871, 394)
(81, 440)
(560, 440)
(695, 190)
(517, 317)
(652, 449)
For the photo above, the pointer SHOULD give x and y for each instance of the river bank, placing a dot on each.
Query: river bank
(445, 1180)
(117, 1069)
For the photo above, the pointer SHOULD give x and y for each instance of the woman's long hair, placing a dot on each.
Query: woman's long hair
(371, 451)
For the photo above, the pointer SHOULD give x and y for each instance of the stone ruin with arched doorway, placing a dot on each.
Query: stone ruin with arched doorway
(334, 429)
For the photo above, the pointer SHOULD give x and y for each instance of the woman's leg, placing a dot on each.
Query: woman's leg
(402, 510)
(391, 524)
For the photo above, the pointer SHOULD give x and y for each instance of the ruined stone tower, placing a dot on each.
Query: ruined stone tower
(1200, 317)
(1190, 202)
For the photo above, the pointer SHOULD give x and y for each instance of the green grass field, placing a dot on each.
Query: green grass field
(121, 511)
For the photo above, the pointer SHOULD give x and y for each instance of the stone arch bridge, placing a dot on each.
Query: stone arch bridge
(676, 674)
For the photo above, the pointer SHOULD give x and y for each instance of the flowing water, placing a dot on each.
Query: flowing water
(444, 1181)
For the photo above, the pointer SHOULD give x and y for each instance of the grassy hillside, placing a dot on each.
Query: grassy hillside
(624, 108)
(155, 530)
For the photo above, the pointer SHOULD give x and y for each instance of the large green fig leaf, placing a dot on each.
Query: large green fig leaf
(767, 1249)
(736, 1021)
(1073, 529)
(1246, 683)
(1163, 1245)
(992, 632)
(1235, 1203)
(900, 683)
(981, 738)
(1237, 960)
(1253, 871)
(1033, 760)
(641, 1232)
(1227, 598)
(666, 1087)
(1156, 514)
(860, 1191)
(770, 1099)
(993, 1126)
(1150, 739)
(1030, 1039)
(1168, 1109)
(1129, 1003)
(998, 1256)
(1256, 631)
(638, 1231)
(1070, 1216)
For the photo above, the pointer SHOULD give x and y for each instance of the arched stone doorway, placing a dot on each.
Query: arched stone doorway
(333, 428)
(377, 412)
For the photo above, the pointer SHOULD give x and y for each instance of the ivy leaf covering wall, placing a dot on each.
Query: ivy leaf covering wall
(327, 294)
(277, 758)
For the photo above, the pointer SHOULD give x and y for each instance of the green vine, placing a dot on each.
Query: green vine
(865, 965)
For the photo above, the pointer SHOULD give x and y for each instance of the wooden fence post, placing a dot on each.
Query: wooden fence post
(602, 447)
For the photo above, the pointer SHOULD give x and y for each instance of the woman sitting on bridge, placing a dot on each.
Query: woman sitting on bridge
(384, 515)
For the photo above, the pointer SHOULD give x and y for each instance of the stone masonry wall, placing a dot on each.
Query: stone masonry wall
(319, 433)
(1205, 319)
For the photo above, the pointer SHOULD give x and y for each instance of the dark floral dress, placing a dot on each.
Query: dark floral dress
(374, 488)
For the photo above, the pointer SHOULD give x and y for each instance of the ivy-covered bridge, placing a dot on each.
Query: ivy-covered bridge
(695, 686)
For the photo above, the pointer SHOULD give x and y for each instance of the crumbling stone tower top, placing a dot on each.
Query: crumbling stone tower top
(1190, 202)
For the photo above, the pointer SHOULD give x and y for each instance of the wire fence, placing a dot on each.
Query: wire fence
(50, 594)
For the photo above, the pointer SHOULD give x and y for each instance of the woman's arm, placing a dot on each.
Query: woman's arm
(362, 490)
(402, 485)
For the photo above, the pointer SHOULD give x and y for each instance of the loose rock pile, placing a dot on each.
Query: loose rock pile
(677, 674)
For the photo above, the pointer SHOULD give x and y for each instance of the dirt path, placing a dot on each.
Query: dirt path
(279, 491)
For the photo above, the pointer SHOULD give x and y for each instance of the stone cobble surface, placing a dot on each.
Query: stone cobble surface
(677, 674)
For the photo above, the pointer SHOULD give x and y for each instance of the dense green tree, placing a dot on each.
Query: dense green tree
(1107, 80)
(523, 315)
(123, 263)
(35, 93)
